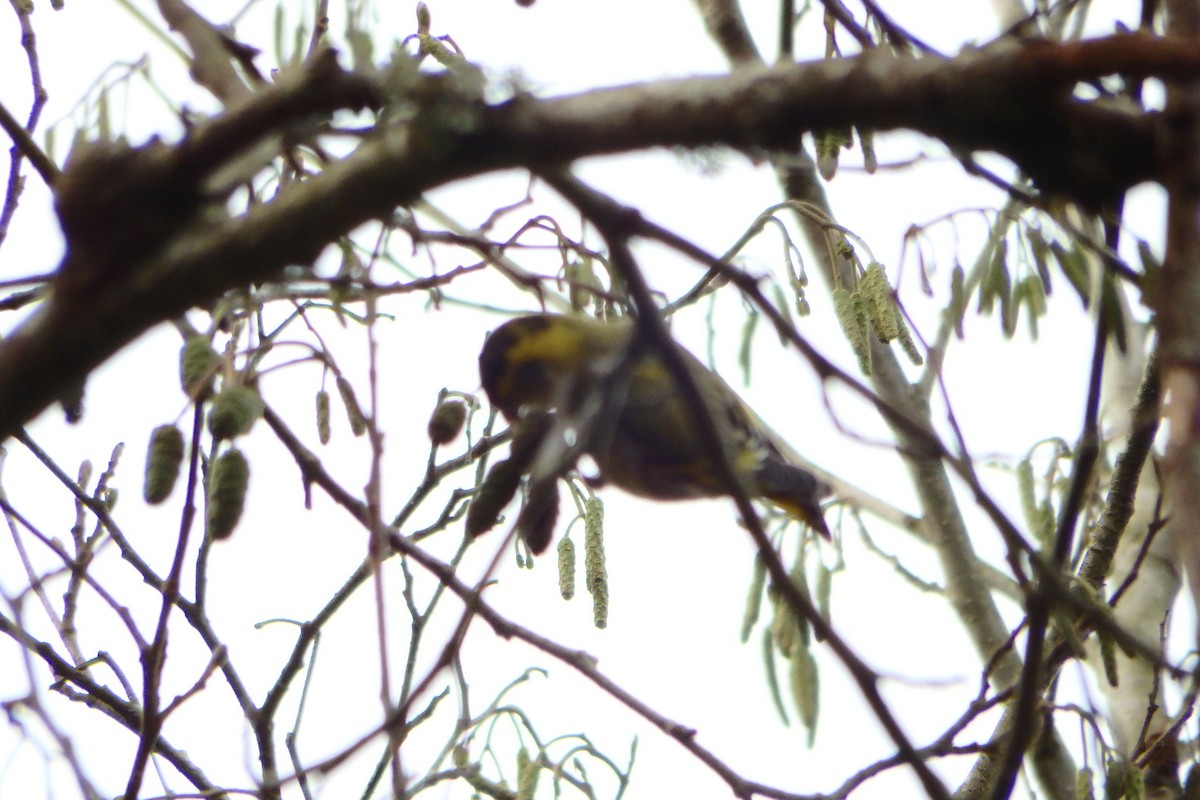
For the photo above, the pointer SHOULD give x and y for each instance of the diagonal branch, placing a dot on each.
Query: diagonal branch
(170, 253)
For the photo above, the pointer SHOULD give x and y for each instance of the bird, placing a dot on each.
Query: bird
(634, 415)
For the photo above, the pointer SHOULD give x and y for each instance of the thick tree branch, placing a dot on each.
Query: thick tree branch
(143, 245)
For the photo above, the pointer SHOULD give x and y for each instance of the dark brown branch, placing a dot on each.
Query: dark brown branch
(104, 700)
(170, 257)
(154, 656)
(22, 135)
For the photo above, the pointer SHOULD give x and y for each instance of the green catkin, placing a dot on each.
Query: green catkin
(1135, 784)
(885, 316)
(1114, 778)
(880, 304)
(829, 144)
(1083, 784)
(234, 411)
(1108, 656)
(535, 522)
(596, 575)
(354, 414)
(1047, 519)
(784, 630)
(594, 567)
(908, 346)
(528, 773)
(800, 581)
(866, 142)
(768, 657)
(566, 568)
(163, 459)
(599, 591)
(995, 281)
(1040, 250)
(958, 299)
(858, 305)
(758, 582)
(1035, 516)
(324, 432)
(824, 591)
(1025, 492)
(228, 481)
(1073, 263)
(805, 686)
(197, 367)
(1035, 300)
(854, 326)
(497, 490)
(1010, 307)
(447, 421)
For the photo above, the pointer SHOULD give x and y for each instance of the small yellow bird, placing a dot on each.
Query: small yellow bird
(644, 440)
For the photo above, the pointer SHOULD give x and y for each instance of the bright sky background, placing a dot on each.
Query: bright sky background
(678, 572)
